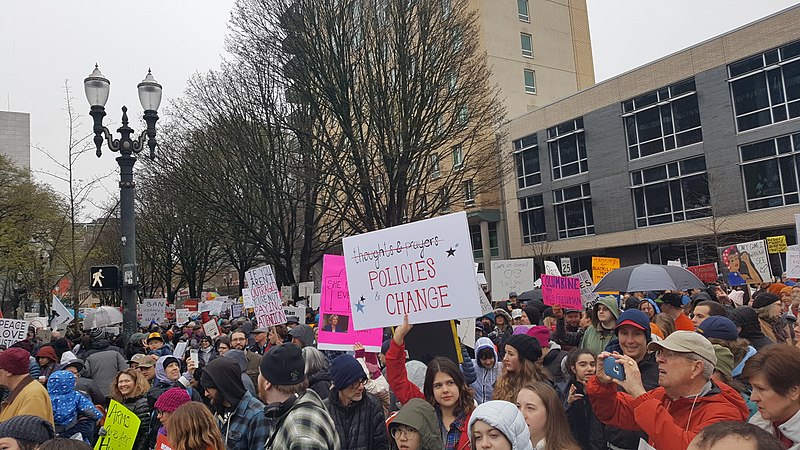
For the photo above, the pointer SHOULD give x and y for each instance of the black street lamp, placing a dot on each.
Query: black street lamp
(97, 87)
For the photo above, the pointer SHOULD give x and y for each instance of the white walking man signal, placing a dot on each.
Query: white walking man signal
(97, 278)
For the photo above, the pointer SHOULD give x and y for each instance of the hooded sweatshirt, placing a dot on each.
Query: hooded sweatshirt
(241, 358)
(419, 415)
(507, 419)
(67, 402)
(484, 383)
(596, 337)
(746, 318)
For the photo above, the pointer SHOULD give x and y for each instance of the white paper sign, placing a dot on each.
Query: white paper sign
(182, 315)
(298, 311)
(180, 349)
(247, 299)
(211, 329)
(466, 331)
(481, 278)
(286, 294)
(12, 331)
(264, 292)
(237, 310)
(550, 268)
(38, 322)
(416, 269)
(486, 306)
(153, 310)
(676, 263)
(62, 314)
(306, 288)
(511, 275)
(792, 263)
(315, 300)
(587, 287)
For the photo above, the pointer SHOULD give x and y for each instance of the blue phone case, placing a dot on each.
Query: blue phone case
(614, 369)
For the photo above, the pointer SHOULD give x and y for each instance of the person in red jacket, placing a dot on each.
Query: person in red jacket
(686, 401)
(444, 388)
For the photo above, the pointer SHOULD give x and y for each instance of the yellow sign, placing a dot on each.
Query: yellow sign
(121, 427)
(776, 244)
(601, 266)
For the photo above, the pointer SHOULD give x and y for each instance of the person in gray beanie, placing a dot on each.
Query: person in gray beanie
(357, 414)
(302, 335)
(27, 432)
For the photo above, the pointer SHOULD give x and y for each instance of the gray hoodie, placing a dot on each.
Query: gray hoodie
(507, 419)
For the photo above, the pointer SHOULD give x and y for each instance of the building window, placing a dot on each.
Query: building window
(766, 87)
(531, 217)
(769, 170)
(672, 192)
(522, 9)
(435, 168)
(526, 157)
(573, 206)
(444, 197)
(462, 116)
(530, 81)
(662, 120)
(527, 44)
(469, 193)
(477, 241)
(567, 149)
(458, 157)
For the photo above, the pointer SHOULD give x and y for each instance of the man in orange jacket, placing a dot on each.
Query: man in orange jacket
(686, 401)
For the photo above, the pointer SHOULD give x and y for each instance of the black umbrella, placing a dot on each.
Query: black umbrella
(648, 277)
(535, 294)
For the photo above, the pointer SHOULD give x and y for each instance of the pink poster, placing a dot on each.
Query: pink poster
(335, 325)
(562, 291)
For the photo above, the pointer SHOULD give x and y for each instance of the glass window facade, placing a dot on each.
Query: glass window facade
(662, 120)
(530, 81)
(531, 217)
(526, 158)
(477, 242)
(573, 208)
(527, 44)
(766, 87)
(567, 146)
(769, 171)
(671, 192)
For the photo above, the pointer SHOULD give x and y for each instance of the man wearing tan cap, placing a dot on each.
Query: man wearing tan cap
(686, 401)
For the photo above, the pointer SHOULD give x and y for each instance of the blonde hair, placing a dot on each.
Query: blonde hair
(508, 383)
(140, 385)
(557, 435)
(192, 427)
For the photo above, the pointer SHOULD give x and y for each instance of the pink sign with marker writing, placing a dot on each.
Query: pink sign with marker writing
(562, 291)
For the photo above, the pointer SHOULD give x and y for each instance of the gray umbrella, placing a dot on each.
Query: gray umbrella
(648, 277)
(535, 294)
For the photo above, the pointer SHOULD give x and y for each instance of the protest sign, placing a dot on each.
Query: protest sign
(776, 244)
(793, 263)
(210, 329)
(481, 277)
(745, 263)
(511, 275)
(707, 273)
(180, 349)
(676, 263)
(12, 331)
(562, 291)
(182, 316)
(237, 310)
(486, 306)
(550, 268)
(305, 289)
(297, 311)
(247, 299)
(121, 427)
(153, 310)
(416, 269)
(426, 341)
(335, 314)
(587, 287)
(316, 299)
(38, 322)
(61, 315)
(286, 294)
(162, 443)
(601, 266)
(466, 331)
(44, 335)
(266, 300)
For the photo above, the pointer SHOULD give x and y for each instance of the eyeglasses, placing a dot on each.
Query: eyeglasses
(408, 432)
(358, 383)
(669, 354)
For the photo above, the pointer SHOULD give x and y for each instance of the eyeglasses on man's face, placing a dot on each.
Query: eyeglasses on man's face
(403, 430)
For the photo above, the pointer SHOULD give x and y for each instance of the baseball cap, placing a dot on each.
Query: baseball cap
(260, 330)
(516, 314)
(147, 361)
(512, 294)
(153, 336)
(292, 319)
(687, 342)
(718, 327)
(636, 319)
(672, 299)
(136, 358)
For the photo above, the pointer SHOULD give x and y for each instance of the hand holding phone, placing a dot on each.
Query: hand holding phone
(195, 355)
(614, 368)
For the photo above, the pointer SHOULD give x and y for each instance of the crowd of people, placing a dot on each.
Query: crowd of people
(707, 369)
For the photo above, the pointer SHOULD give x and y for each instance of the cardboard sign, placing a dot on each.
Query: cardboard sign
(416, 269)
(153, 310)
(776, 244)
(428, 340)
(211, 330)
(182, 316)
(745, 263)
(247, 299)
(162, 443)
(266, 300)
(237, 310)
(793, 263)
(601, 266)
(562, 291)
(306, 288)
(335, 315)
(707, 273)
(566, 266)
(121, 427)
(511, 275)
(61, 315)
(587, 287)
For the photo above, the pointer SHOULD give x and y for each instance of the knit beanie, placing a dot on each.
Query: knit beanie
(385, 346)
(283, 365)
(724, 360)
(97, 334)
(527, 347)
(776, 288)
(345, 370)
(541, 333)
(171, 399)
(15, 361)
(47, 351)
(27, 428)
(765, 299)
(533, 315)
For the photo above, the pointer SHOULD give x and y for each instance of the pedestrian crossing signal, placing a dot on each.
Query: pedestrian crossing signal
(104, 278)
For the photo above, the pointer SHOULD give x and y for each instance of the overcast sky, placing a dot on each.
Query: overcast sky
(44, 43)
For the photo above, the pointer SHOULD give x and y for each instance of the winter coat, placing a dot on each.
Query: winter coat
(89, 388)
(160, 385)
(485, 378)
(747, 319)
(498, 336)
(68, 404)
(586, 428)
(240, 357)
(419, 415)
(552, 362)
(320, 382)
(670, 424)
(507, 419)
(303, 423)
(467, 368)
(102, 363)
(361, 424)
(139, 406)
(595, 338)
(28, 398)
(789, 429)
(206, 356)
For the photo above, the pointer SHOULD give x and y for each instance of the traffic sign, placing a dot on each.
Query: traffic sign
(104, 278)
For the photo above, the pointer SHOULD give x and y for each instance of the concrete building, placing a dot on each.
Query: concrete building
(15, 137)
(538, 51)
(698, 149)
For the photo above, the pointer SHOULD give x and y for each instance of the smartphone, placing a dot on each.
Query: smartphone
(613, 368)
(195, 355)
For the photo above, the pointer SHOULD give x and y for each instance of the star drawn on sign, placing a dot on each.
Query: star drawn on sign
(362, 299)
(359, 307)
(451, 252)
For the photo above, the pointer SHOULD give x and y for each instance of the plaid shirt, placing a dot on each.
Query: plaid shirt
(246, 427)
(453, 435)
(307, 425)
